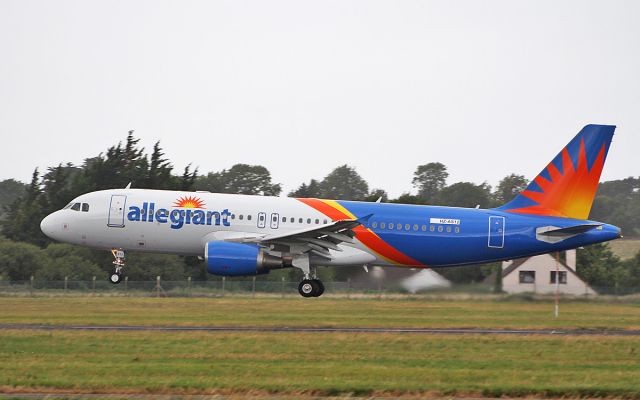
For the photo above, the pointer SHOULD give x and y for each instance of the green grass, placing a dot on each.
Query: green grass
(317, 312)
(318, 363)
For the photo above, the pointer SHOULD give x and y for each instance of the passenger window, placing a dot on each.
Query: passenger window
(248, 217)
(308, 220)
(324, 222)
(407, 227)
(317, 221)
(299, 220)
(292, 220)
(75, 207)
(85, 207)
(240, 217)
(383, 225)
(415, 227)
(284, 219)
(457, 229)
(448, 229)
(261, 217)
(399, 226)
(424, 228)
(432, 228)
(374, 225)
(233, 216)
(440, 228)
(391, 225)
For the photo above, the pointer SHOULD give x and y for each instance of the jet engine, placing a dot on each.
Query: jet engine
(239, 259)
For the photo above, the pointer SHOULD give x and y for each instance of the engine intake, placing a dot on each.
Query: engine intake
(238, 259)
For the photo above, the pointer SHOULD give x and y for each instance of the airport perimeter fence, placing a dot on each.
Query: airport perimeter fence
(238, 287)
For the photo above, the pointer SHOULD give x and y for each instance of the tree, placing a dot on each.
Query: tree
(19, 261)
(599, 267)
(377, 194)
(307, 191)
(240, 179)
(344, 183)
(10, 191)
(22, 222)
(430, 179)
(509, 187)
(466, 194)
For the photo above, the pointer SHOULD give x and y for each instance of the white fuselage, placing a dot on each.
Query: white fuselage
(151, 221)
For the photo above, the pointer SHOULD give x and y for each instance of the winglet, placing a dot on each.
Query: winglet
(365, 219)
(128, 186)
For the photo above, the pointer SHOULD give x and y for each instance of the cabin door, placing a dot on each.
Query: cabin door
(496, 232)
(116, 211)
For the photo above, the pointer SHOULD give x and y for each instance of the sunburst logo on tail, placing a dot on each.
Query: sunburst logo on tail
(189, 202)
(569, 193)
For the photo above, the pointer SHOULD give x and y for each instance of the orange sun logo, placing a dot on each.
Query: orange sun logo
(189, 202)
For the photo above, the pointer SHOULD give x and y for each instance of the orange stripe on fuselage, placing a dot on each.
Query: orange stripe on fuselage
(337, 212)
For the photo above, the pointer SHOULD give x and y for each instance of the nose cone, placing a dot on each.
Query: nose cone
(48, 226)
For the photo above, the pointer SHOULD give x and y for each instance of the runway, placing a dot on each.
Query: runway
(293, 329)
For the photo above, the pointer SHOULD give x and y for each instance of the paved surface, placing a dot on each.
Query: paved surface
(284, 329)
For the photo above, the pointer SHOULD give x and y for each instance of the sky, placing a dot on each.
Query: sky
(488, 88)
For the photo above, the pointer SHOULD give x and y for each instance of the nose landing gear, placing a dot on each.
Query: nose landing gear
(119, 261)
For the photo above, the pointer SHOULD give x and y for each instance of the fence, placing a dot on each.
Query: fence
(251, 288)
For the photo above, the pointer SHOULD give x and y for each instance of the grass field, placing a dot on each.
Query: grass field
(318, 363)
(625, 248)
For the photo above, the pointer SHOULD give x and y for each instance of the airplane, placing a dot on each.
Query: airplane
(241, 235)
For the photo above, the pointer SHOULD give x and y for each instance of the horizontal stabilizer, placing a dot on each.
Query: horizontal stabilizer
(554, 234)
(572, 230)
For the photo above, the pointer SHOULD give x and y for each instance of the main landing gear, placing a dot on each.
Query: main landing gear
(311, 288)
(119, 261)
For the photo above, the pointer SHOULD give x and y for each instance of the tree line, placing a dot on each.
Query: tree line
(25, 251)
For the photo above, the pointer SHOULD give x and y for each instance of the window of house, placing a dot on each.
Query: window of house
(527, 276)
(563, 277)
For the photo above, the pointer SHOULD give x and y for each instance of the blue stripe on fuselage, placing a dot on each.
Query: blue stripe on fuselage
(470, 244)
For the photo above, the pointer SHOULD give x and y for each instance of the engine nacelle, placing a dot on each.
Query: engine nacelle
(238, 259)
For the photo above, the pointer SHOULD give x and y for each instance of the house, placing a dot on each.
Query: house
(538, 275)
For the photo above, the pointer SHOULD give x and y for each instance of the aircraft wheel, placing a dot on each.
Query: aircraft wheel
(115, 278)
(307, 288)
(320, 287)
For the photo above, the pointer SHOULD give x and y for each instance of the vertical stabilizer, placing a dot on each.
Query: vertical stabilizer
(567, 186)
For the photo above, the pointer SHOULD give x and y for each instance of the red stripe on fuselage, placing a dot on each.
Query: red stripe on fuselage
(365, 236)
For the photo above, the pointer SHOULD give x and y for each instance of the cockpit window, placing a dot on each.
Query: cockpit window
(75, 207)
(85, 207)
(67, 206)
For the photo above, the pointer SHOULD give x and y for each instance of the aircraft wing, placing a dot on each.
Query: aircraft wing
(317, 240)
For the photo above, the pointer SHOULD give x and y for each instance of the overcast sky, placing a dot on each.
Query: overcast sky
(486, 87)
